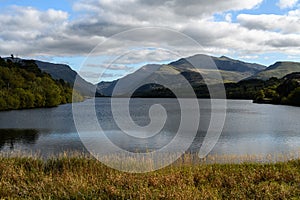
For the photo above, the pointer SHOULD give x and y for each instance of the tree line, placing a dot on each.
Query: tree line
(276, 91)
(286, 91)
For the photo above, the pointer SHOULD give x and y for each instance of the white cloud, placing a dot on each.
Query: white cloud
(286, 3)
(228, 17)
(137, 13)
(31, 32)
(249, 57)
(28, 18)
(270, 22)
(51, 32)
(104, 66)
(154, 55)
(294, 13)
(165, 8)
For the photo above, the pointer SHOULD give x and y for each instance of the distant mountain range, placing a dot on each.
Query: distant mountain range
(230, 69)
(192, 68)
(278, 70)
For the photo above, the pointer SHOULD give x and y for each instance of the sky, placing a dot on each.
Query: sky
(100, 33)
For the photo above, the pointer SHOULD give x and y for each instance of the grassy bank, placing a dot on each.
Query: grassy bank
(86, 178)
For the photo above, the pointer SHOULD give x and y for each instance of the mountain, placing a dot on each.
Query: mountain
(278, 70)
(191, 68)
(230, 69)
(64, 72)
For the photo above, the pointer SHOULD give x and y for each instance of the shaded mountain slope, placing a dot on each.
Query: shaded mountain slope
(64, 72)
(193, 68)
(278, 70)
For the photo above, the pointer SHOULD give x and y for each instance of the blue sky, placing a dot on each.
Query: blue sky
(65, 5)
(66, 31)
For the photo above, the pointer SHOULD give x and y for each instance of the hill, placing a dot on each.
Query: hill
(170, 74)
(276, 91)
(230, 69)
(24, 85)
(286, 91)
(278, 70)
(62, 71)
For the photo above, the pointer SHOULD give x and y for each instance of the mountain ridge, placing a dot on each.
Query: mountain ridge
(278, 70)
(191, 68)
(232, 70)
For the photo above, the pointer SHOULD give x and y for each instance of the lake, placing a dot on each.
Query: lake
(250, 129)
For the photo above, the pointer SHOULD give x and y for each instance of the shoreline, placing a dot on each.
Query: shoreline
(87, 98)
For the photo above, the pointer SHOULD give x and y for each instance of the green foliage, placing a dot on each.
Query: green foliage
(294, 97)
(23, 85)
(274, 90)
(260, 95)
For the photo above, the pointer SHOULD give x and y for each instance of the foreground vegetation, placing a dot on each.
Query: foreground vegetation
(24, 85)
(86, 178)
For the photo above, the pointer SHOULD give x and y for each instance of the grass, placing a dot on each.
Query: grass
(83, 177)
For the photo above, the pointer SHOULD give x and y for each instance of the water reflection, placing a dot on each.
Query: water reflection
(10, 137)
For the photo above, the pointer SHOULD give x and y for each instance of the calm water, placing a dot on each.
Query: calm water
(258, 129)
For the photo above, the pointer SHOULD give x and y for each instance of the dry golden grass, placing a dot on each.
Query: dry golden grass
(82, 177)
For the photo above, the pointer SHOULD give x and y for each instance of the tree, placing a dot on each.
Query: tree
(260, 95)
(294, 97)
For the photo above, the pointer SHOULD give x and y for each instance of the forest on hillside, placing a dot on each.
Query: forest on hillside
(24, 85)
(284, 91)
(276, 91)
